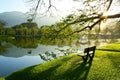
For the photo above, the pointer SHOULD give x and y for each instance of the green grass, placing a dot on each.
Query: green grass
(105, 66)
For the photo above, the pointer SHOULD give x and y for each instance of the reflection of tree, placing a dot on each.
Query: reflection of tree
(2, 48)
(48, 41)
(43, 57)
(25, 42)
(47, 56)
(58, 42)
(53, 55)
(61, 43)
(67, 51)
(97, 42)
(29, 51)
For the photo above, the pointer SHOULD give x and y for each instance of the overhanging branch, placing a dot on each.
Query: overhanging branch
(109, 5)
(112, 16)
(98, 21)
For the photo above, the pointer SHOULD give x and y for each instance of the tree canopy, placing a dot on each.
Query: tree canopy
(90, 14)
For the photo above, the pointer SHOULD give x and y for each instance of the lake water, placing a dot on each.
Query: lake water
(20, 53)
(15, 58)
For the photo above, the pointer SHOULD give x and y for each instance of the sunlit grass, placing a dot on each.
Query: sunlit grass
(2, 79)
(105, 66)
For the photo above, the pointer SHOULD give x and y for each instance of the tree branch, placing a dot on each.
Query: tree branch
(112, 16)
(35, 12)
(77, 21)
(98, 21)
(109, 5)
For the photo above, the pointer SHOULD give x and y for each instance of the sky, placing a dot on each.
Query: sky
(64, 6)
(13, 5)
(22, 6)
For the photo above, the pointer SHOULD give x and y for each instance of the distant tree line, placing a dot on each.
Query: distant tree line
(112, 30)
(30, 29)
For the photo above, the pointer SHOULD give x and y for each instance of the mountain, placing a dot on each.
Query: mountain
(15, 18)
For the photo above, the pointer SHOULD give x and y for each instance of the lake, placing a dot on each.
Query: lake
(18, 53)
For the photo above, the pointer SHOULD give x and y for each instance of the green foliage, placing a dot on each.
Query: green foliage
(2, 30)
(53, 31)
(2, 24)
(29, 25)
(113, 30)
(24, 29)
(116, 29)
(10, 31)
(2, 79)
(105, 66)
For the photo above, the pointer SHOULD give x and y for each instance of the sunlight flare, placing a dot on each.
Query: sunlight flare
(107, 13)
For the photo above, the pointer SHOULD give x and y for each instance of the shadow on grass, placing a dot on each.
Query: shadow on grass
(109, 50)
(75, 71)
(78, 72)
(26, 75)
(115, 61)
(31, 73)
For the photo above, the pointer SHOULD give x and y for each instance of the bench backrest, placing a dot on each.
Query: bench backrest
(86, 50)
(90, 49)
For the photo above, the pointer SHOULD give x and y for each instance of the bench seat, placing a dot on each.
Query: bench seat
(83, 54)
(88, 52)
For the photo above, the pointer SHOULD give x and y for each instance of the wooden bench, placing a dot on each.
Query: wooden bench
(88, 53)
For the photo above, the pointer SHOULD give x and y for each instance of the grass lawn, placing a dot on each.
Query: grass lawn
(105, 66)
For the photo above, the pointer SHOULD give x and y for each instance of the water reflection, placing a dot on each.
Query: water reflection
(68, 51)
(17, 56)
(48, 56)
(21, 52)
(2, 48)
(24, 42)
(58, 42)
(27, 46)
(8, 65)
(19, 42)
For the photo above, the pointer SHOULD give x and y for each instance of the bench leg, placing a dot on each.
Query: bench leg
(85, 58)
(91, 57)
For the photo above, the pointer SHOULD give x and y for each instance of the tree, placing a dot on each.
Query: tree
(2, 24)
(116, 30)
(93, 13)
(113, 30)
(29, 28)
(10, 31)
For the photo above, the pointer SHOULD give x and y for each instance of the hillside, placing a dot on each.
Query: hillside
(14, 18)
